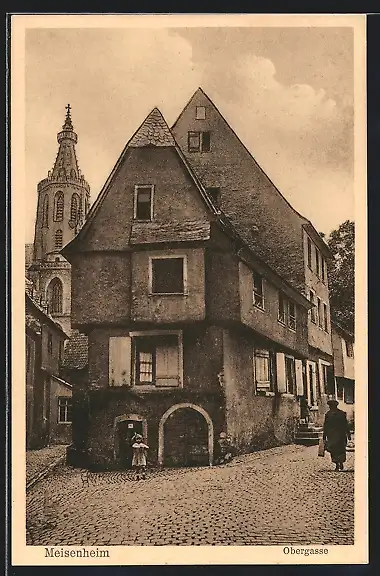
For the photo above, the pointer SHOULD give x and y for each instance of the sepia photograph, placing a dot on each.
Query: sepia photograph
(185, 314)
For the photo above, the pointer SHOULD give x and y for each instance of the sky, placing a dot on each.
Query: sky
(287, 93)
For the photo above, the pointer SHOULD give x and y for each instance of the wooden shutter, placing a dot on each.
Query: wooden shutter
(281, 376)
(120, 361)
(167, 364)
(299, 378)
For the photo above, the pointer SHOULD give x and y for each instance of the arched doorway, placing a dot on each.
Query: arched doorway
(185, 436)
(125, 427)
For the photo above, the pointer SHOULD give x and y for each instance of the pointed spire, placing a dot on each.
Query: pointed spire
(154, 131)
(66, 164)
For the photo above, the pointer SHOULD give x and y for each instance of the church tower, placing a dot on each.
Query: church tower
(63, 203)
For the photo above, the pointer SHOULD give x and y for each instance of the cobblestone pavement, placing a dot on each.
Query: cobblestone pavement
(38, 460)
(280, 496)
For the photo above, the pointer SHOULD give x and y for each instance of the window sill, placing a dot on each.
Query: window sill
(256, 307)
(265, 393)
(140, 221)
(146, 389)
(292, 329)
(281, 322)
(65, 423)
(287, 395)
(152, 294)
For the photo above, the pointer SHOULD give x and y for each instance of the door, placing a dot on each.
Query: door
(126, 430)
(186, 439)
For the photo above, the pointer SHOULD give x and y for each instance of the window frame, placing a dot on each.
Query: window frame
(293, 363)
(68, 405)
(196, 112)
(325, 318)
(349, 348)
(309, 252)
(135, 203)
(318, 262)
(184, 274)
(256, 294)
(320, 323)
(260, 389)
(282, 297)
(313, 309)
(291, 317)
(200, 148)
(151, 334)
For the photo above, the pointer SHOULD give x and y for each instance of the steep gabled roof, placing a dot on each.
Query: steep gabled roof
(307, 224)
(153, 132)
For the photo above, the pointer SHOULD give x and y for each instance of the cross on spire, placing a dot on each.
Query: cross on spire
(68, 124)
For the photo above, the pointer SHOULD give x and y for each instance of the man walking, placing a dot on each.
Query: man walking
(336, 431)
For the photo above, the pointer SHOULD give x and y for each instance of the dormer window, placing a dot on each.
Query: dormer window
(143, 209)
(200, 112)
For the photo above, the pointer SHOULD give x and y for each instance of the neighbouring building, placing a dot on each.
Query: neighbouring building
(62, 206)
(344, 370)
(190, 332)
(276, 232)
(48, 395)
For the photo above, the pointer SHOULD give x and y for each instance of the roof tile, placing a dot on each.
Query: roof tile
(154, 131)
(76, 352)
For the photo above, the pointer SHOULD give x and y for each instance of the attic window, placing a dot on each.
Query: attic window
(200, 112)
(143, 209)
(214, 194)
(199, 141)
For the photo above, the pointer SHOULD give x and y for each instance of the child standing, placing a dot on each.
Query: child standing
(139, 456)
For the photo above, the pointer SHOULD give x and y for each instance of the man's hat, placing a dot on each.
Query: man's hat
(332, 402)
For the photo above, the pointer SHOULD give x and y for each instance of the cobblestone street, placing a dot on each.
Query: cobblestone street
(280, 496)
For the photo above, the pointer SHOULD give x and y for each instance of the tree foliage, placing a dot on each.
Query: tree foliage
(342, 274)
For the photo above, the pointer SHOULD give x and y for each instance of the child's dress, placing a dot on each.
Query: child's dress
(139, 454)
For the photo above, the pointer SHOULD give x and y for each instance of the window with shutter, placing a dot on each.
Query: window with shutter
(157, 360)
(263, 376)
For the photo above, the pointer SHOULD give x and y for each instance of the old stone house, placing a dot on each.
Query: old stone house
(276, 232)
(190, 332)
(48, 395)
(344, 369)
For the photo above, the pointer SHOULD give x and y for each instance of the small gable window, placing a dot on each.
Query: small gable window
(58, 239)
(199, 141)
(45, 212)
(168, 275)
(58, 207)
(143, 209)
(200, 112)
